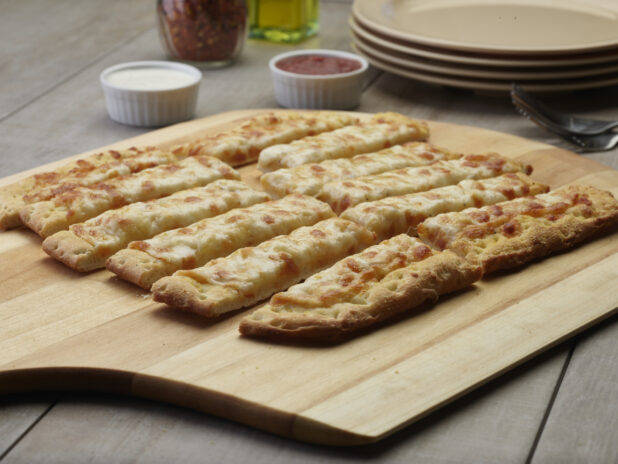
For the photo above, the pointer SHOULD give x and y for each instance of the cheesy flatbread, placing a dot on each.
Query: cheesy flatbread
(252, 274)
(512, 233)
(145, 262)
(379, 131)
(384, 280)
(341, 195)
(87, 245)
(401, 214)
(243, 144)
(308, 179)
(83, 172)
(81, 203)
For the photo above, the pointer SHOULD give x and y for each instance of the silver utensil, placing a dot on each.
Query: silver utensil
(599, 142)
(560, 121)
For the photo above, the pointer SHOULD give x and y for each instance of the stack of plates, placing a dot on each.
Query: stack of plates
(545, 45)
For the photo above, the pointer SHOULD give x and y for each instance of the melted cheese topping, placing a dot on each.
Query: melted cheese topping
(251, 274)
(243, 144)
(114, 229)
(83, 203)
(117, 163)
(347, 281)
(198, 243)
(477, 223)
(343, 194)
(380, 131)
(82, 172)
(401, 214)
(308, 179)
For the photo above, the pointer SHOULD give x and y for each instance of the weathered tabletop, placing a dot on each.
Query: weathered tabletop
(560, 407)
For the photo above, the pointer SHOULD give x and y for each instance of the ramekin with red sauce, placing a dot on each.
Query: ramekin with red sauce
(318, 79)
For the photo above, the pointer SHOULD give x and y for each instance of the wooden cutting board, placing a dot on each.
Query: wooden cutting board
(63, 330)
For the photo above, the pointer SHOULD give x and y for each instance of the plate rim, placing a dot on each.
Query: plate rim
(477, 85)
(478, 48)
(463, 70)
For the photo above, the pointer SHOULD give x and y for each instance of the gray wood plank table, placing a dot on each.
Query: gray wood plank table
(561, 407)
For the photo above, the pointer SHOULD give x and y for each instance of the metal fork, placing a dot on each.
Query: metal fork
(599, 142)
(559, 121)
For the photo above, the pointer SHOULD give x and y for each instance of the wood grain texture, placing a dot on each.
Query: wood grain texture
(18, 412)
(487, 425)
(384, 380)
(585, 407)
(78, 31)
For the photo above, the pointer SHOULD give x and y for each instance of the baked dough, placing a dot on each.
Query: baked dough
(308, 179)
(394, 276)
(243, 144)
(512, 233)
(371, 134)
(145, 262)
(401, 214)
(252, 274)
(81, 203)
(341, 195)
(82, 172)
(87, 245)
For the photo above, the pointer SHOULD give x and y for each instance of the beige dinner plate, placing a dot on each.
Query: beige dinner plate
(510, 74)
(490, 85)
(505, 26)
(459, 56)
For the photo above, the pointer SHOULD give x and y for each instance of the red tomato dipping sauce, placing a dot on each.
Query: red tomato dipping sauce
(318, 65)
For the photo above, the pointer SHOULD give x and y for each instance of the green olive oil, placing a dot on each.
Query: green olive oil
(285, 21)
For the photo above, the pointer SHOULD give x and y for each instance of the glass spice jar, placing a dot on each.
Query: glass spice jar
(205, 33)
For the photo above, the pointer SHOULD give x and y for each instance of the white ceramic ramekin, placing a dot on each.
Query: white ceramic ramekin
(331, 91)
(151, 108)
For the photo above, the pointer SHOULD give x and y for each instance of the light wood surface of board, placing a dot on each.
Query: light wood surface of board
(57, 334)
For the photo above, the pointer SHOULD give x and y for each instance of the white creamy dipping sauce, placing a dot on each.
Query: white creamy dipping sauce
(150, 79)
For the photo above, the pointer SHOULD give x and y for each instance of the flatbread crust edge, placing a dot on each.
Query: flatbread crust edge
(180, 294)
(138, 267)
(73, 251)
(399, 291)
(11, 202)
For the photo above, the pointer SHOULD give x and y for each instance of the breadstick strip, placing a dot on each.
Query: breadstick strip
(83, 172)
(243, 144)
(145, 262)
(515, 232)
(394, 276)
(401, 214)
(86, 246)
(308, 179)
(380, 131)
(79, 204)
(341, 195)
(252, 274)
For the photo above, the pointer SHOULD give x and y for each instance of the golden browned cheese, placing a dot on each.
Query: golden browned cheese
(82, 203)
(82, 172)
(254, 273)
(243, 144)
(341, 195)
(394, 276)
(401, 214)
(87, 245)
(146, 261)
(379, 131)
(308, 179)
(518, 231)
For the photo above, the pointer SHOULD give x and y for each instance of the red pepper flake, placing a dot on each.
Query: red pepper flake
(203, 30)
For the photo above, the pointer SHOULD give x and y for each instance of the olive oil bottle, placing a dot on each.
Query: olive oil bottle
(286, 21)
